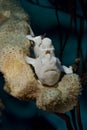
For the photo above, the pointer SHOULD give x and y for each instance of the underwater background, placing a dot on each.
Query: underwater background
(46, 18)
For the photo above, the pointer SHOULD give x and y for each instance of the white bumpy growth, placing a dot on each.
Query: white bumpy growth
(47, 67)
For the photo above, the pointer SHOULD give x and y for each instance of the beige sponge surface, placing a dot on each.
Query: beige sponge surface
(19, 77)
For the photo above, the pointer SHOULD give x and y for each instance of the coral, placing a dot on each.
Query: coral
(48, 98)
(63, 97)
(14, 8)
(20, 80)
(70, 87)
